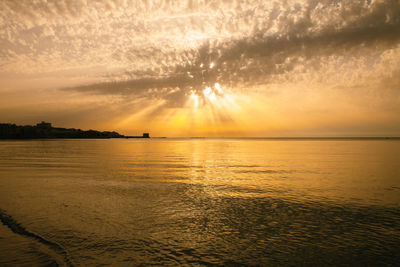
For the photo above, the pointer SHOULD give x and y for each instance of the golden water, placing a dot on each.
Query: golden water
(200, 201)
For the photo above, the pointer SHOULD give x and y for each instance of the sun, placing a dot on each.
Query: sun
(212, 96)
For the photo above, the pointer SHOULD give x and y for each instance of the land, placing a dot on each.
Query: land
(45, 130)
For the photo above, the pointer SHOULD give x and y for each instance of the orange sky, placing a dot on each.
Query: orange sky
(203, 68)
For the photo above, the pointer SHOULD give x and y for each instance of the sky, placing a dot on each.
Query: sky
(247, 68)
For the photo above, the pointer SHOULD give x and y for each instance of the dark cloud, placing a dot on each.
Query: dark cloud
(355, 29)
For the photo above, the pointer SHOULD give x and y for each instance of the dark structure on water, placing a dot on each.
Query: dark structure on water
(145, 135)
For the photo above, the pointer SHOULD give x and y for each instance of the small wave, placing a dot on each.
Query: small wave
(15, 227)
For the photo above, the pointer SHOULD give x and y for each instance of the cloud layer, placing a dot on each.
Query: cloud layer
(168, 51)
(288, 40)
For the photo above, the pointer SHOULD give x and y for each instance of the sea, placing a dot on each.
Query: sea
(200, 202)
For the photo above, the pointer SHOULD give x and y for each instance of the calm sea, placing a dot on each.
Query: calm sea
(128, 202)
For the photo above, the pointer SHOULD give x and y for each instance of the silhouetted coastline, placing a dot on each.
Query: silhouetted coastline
(45, 130)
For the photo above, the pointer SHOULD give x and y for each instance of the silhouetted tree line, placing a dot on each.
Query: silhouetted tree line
(45, 130)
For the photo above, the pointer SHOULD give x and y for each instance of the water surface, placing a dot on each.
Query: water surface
(199, 202)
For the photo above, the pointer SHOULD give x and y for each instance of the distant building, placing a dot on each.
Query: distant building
(146, 135)
(44, 125)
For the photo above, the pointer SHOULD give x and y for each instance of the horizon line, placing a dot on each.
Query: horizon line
(279, 137)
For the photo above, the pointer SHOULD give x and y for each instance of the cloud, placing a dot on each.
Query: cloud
(302, 37)
(159, 53)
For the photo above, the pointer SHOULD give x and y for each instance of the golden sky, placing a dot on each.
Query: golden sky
(203, 68)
